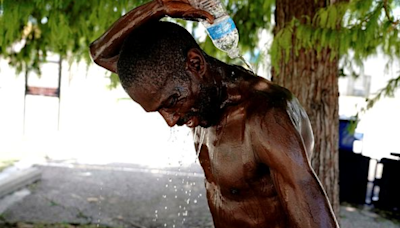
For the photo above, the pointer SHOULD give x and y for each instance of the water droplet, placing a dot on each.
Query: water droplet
(165, 224)
(247, 64)
(164, 196)
(165, 208)
(170, 179)
(194, 201)
(166, 185)
(201, 140)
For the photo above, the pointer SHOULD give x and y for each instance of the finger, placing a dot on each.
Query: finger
(209, 17)
(194, 14)
(206, 15)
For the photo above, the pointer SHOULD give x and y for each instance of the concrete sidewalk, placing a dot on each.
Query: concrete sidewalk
(130, 196)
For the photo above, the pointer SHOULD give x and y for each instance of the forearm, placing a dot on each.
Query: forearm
(109, 44)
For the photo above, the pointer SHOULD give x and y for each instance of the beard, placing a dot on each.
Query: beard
(207, 107)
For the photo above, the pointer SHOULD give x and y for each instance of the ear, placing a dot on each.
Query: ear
(195, 62)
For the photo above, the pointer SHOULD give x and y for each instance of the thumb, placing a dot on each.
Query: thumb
(198, 13)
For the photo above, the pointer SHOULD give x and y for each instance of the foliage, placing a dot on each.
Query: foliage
(352, 30)
(387, 91)
(362, 27)
(67, 27)
(6, 163)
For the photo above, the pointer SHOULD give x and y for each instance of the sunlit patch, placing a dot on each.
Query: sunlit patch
(261, 86)
(350, 209)
(154, 171)
(86, 174)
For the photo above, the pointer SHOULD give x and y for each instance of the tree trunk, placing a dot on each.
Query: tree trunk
(314, 80)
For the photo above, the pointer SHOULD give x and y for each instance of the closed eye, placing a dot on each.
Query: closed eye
(172, 100)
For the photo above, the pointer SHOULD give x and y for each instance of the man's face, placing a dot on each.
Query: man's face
(180, 102)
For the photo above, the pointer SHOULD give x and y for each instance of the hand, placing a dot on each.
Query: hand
(183, 9)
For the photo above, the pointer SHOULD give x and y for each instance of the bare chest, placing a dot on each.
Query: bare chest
(229, 161)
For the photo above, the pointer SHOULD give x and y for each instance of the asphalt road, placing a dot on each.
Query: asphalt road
(131, 196)
(117, 196)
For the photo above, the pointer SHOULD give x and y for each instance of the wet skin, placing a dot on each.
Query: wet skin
(240, 187)
(258, 139)
(262, 134)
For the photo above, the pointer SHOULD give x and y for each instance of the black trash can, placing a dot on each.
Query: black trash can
(353, 177)
(389, 185)
(353, 168)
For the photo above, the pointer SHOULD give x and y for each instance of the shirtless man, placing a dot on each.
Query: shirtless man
(257, 137)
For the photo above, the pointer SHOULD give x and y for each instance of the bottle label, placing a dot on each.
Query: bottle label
(221, 29)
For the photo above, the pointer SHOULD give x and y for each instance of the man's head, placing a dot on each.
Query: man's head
(163, 69)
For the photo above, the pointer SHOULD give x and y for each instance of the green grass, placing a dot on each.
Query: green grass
(6, 163)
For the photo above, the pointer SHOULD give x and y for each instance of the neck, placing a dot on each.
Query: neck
(233, 82)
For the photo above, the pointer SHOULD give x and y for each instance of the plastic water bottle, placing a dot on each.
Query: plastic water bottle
(222, 32)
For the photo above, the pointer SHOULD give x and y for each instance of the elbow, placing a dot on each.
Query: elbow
(97, 52)
(97, 55)
(96, 58)
(93, 54)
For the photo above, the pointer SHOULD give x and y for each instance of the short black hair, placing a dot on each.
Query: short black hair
(154, 51)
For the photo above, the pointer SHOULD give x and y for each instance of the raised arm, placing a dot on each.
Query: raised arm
(105, 50)
(280, 146)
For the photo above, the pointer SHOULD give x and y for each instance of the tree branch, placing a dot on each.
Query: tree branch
(387, 13)
(387, 91)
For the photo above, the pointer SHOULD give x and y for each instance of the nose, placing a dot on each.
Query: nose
(170, 118)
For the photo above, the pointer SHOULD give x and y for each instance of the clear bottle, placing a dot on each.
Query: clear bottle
(223, 31)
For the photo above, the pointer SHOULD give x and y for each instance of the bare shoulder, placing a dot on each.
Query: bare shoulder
(266, 97)
(272, 104)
